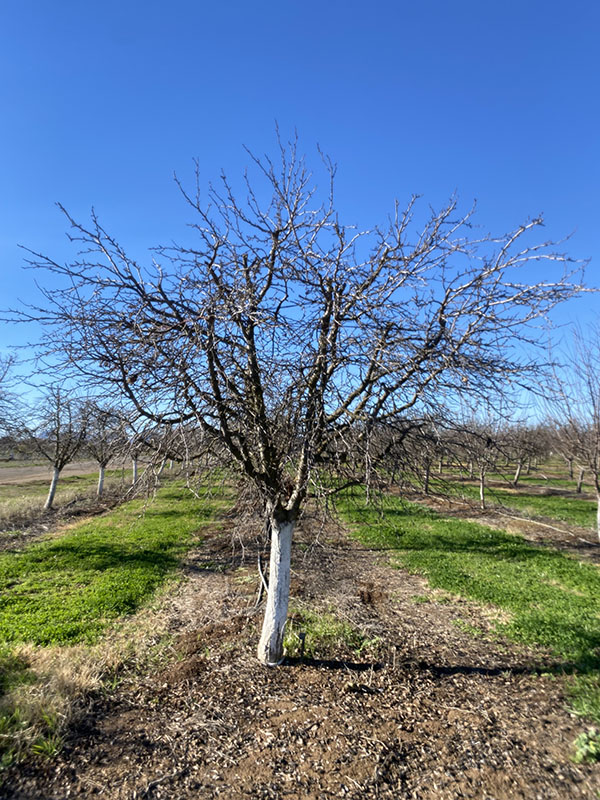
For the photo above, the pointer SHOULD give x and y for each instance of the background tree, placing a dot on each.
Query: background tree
(283, 333)
(105, 437)
(57, 432)
(574, 404)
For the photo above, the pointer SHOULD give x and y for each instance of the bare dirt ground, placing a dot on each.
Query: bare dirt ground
(29, 473)
(426, 711)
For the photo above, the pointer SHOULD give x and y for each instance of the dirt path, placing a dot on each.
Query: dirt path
(28, 474)
(425, 712)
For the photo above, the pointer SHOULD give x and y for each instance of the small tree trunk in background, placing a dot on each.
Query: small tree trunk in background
(52, 491)
(518, 473)
(598, 512)
(100, 481)
(426, 478)
(528, 470)
(570, 462)
(171, 463)
(482, 487)
(440, 466)
(580, 480)
(134, 465)
(270, 647)
(471, 472)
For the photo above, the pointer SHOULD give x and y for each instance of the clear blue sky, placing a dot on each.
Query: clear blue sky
(101, 102)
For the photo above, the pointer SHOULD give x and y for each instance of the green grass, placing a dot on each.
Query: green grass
(570, 509)
(69, 588)
(552, 600)
(325, 634)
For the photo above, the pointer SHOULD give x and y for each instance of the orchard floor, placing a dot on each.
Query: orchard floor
(425, 711)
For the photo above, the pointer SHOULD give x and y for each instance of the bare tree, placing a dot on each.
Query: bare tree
(57, 432)
(574, 404)
(6, 399)
(283, 334)
(105, 437)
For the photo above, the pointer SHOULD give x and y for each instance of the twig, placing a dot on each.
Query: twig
(158, 781)
(546, 525)
(263, 584)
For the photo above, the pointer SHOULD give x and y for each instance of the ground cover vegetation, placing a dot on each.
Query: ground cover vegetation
(74, 587)
(550, 599)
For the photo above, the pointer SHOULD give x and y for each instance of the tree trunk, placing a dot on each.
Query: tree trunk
(52, 491)
(426, 479)
(570, 463)
(134, 465)
(598, 513)
(100, 481)
(517, 473)
(440, 466)
(580, 480)
(471, 473)
(270, 647)
(482, 488)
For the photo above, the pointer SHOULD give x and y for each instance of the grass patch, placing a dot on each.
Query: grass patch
(572, 510)
(22, 504)
(325, 635)
(68, 588)
(61, 594)
(553, 600)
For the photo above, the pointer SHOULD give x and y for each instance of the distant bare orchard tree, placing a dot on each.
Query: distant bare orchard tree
(56, 433)
(574, 406)
(106, 437)
(284, 334)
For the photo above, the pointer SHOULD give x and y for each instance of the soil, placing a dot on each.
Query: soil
(425, 711)
(34, 472)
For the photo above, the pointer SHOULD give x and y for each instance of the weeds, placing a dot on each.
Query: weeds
(543, 596)
(62, 595)
(587, 747)
(324, 635)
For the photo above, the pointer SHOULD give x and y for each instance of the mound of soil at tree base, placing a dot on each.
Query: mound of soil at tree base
(424, 710)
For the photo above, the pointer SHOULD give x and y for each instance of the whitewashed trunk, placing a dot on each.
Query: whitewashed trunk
(580, 481)
(52, 491)
(134, 465)
(517, 473)
(100, 481)
(270, 647)
(426, 479)
(482, 488)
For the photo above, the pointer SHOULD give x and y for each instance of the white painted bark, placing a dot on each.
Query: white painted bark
(134, 465)
(100, 481)
(270, 647)
(482, 488)
(580, 480)
(517, 473)
(52, 491)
